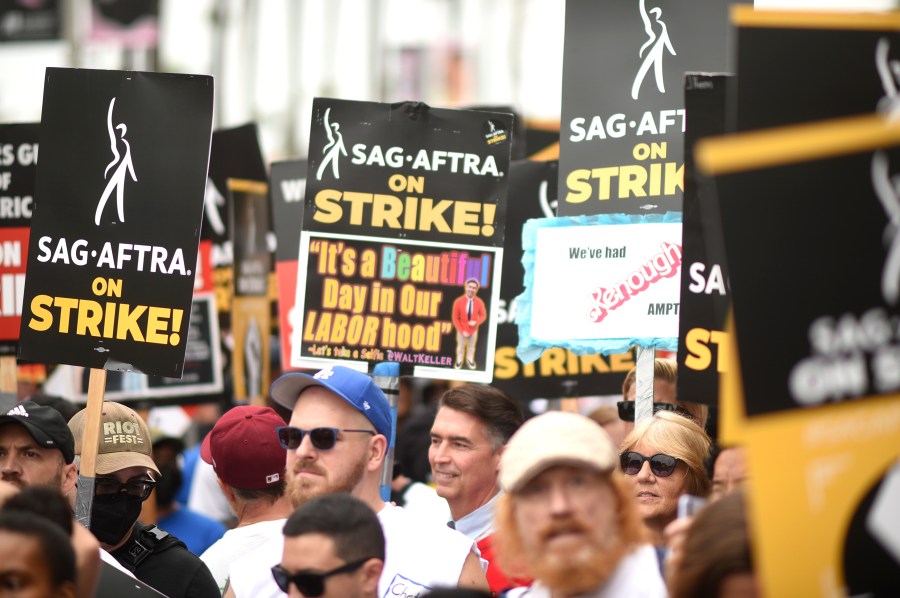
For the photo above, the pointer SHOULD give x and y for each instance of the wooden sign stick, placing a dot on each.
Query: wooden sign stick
(89, 443)
(8, 380)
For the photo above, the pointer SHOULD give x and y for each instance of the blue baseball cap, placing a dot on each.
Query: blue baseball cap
(356, 388)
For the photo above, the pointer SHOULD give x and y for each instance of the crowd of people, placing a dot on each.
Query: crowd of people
(558, 505)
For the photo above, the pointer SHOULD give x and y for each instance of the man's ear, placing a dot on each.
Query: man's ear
(69, 478)
(498, 454)
(377, 451)
(371, 573)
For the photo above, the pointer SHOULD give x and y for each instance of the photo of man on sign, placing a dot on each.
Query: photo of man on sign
(468, 314)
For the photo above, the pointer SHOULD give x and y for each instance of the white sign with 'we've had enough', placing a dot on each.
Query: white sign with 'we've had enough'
(606, 281)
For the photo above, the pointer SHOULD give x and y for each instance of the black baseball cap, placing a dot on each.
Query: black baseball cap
(45, 424)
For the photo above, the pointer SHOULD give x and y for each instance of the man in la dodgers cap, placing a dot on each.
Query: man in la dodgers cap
(336, 441)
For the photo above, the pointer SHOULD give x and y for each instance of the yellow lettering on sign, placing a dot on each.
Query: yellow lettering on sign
(698, 341)
(426, 214)
(140, 323)
(627, 181)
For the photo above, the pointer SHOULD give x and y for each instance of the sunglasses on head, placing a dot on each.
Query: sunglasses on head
(626, 410)
(661, 465)
(310, 584)
(110, 488)
(322, 439)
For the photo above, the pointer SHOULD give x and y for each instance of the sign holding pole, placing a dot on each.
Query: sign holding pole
(643, 385)
(8, 382)
(87, 469)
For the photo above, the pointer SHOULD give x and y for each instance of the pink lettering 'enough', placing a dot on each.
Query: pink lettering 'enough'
(664, 264)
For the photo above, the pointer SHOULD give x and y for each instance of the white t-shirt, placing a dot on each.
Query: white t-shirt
(637, 576)
(423, 501)
(236, 543)
(420, 555)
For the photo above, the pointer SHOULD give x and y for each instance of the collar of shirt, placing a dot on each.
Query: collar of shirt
(480, 522)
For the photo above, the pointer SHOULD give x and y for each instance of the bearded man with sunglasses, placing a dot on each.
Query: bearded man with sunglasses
(339, 431)
(125, 476)
(567, 519)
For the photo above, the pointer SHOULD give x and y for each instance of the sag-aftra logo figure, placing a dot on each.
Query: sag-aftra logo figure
(123, 167)
(887, 188)
(657, 43)
(333, 149)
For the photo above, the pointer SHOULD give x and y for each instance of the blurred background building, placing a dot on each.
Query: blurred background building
(271, 58)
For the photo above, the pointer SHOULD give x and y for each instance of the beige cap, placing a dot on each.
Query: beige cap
(125, 439)
(555, 438)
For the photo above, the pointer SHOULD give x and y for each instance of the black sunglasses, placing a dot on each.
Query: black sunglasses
(661, 465)
(323, 439)
(310, 584)
(626, 410)
(109, 488)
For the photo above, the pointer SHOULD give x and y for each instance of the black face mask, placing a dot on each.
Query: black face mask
(112, 518)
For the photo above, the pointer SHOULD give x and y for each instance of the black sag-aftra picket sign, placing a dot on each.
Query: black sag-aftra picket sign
(119, 202)
(623, 113)
(809, 222)
(704, 276)
(408, 171)
(18, 163)
(412, 201)
(796, 67)
(287, 187)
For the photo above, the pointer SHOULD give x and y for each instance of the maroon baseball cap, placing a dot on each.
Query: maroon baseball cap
(243, 448)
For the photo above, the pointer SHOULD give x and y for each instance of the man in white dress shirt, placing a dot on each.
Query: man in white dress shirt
(470, 431)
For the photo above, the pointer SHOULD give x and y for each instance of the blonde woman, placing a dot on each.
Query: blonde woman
(663, 458)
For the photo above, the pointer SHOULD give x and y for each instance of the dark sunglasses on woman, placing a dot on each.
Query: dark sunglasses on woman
(662, 466)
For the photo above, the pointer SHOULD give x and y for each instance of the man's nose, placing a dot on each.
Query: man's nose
(560, 502)
(306, 450)
(440, 453)
(10, 464)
